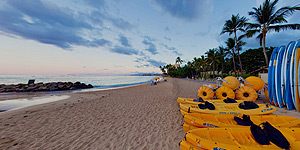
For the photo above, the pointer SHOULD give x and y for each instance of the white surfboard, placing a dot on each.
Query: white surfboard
(278, 74)
(295, 74)
(283, 72)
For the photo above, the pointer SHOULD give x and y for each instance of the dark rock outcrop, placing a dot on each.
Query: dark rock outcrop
(53, 86)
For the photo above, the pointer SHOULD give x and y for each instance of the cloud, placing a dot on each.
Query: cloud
(151, 47)
(177, 53)
(124, 41)
(202, 33)
(98, 4)
(97, 43)
(124, 50)
(167, 28)
(142, 66)
(173, 49)
(46, 23)
(63, 27)
(167, 38)
(155, 63)
(148, 62)
(169, 48)
(149, 38)
(120, 23)
(118, 66)
(188, 10)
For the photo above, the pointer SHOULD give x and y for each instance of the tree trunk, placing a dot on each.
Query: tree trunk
(264, 32)
(213, 70)
(233, 63)
(264, 48)
(205, 72)
(238, 50)
(222, 70)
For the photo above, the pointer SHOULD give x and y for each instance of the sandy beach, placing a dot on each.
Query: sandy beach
(140, 117)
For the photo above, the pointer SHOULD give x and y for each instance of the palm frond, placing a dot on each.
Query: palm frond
(260, 38)
(278, 28)
(242, 36)
(250, 33)
(252, 26)
(280, 14)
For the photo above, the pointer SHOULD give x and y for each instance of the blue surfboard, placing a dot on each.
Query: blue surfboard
(288, 95)
(270, 75)
(278, 77)
(274, 99)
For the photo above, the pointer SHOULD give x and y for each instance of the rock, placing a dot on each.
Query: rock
(90, 86)
(53, 86)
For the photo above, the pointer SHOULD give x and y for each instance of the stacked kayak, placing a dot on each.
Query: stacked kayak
(237, 138)
(216, 124)
(220, 121)
(231, 108)
(196, 101)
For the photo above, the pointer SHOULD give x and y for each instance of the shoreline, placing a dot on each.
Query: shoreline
(39, 96)
(136, 117)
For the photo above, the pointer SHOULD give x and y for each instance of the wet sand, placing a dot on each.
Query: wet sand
(140, 117)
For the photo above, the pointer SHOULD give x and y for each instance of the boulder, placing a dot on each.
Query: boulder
(53, 86)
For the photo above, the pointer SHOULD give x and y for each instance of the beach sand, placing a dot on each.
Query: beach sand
(140, 117)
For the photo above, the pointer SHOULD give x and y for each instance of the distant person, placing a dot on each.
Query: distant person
(153, 83)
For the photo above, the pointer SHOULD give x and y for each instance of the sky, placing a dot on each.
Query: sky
(110, 37)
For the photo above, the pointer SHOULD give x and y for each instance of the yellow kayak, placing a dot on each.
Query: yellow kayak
(232, 108)
(220, 120)
(183, 112)
(237, 138)
(184, 145)
(187, 127)
(192, 101)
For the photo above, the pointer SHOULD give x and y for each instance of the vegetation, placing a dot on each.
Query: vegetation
(269, 19)
(236, 23)
(215, 63)
(221, 61)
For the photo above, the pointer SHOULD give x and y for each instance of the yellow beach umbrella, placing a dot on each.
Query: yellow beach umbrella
(155, 78)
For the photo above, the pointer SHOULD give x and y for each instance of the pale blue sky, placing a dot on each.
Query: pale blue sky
(116, 37)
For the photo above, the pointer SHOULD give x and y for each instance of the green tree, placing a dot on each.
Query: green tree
(221, 55)
(267, 19)
(212, 58)
(230, 46)
(236, 23)
(162, 68)
(197, 65)
(178, 61)
(254, 59)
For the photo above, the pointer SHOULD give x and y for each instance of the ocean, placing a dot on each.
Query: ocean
(98, 81)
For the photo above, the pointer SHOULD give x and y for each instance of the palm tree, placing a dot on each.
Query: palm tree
(212, 59)
(203, 65)
(162, 68)
(222, 54)
(268, 19)
(197, 64)
(190, 67)
(236, 23)
(230, 46)
(178, 61)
